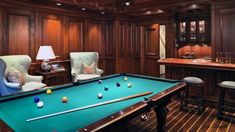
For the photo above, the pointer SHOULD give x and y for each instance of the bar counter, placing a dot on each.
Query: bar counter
(212, 73)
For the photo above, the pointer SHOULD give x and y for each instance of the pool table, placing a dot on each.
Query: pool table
(16, 109)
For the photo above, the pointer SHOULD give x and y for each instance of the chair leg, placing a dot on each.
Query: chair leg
(184, 102)
(201, 106)
(220, 104)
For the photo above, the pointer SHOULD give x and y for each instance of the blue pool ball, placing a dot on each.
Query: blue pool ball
(106, 88)
(100, 95)
(36, 99)
(118, 84)
(100, 81)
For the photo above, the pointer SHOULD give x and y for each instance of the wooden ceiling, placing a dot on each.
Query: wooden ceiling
(136, 7)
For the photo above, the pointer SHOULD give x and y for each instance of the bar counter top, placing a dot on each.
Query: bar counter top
(196, 63)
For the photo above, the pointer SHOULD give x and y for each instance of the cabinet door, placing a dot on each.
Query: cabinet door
(193, 31)
(202, 31)
(182, 31)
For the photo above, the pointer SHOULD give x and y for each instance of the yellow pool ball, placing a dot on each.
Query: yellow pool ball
(64, 99)
(49, 91)
(125, 78)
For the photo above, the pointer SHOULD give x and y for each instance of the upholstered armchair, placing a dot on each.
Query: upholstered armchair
(84, 65)
(19, 63)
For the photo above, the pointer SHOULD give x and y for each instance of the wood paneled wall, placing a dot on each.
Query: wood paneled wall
(223, 31)
(119, 40)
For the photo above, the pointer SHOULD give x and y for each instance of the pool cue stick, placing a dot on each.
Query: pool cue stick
(90, 106)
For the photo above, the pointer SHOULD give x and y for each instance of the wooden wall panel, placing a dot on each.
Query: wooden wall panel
(51, 35)
(94, 36)
(151, 50)
(223, 31)
(135, 66)
(18, 34)
(75, 36)
(110, 50)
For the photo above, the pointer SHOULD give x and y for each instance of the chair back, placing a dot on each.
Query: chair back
(79, 58)
(19, 62)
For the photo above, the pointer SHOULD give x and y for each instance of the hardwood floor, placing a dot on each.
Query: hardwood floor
(180, 121)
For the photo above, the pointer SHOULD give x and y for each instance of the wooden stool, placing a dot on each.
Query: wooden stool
(225, 86)
(193, 82)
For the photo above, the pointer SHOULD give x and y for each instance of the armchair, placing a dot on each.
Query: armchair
(84, 65)
(21, 63)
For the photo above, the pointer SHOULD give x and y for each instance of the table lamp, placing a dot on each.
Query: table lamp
(45, 53)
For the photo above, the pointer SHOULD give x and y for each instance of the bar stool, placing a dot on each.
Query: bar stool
(198, 101)
(225, 86)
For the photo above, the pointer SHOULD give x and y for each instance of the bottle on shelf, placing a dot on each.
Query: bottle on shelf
(221, 58)
(217, 57)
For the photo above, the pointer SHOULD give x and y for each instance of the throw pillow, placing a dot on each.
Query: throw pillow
(88, 69)
(14, 76)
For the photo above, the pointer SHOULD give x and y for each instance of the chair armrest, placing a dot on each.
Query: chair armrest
(16, 86)
(99, 71)
(29, 78)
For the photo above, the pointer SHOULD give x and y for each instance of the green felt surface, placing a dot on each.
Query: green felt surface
(15, 112)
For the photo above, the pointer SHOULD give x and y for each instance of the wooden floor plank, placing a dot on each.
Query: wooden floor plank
(180, 121)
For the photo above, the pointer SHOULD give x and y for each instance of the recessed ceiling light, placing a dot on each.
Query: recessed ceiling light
(83, 8)
(148, 12)
(102, 12)
(160, 11)
(58, 4)
(127, 3)
(194, 6)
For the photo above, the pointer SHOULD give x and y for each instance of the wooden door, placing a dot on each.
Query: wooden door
(151, 50)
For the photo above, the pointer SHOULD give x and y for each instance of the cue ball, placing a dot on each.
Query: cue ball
(49, 91)
(125, 78)
(40, 104)
(100, 95)
(64, 99)
(118, 84)
(129, 85)
(36, 99)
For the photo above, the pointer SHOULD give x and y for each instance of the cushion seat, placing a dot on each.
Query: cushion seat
(195, 80)
(86, 76)
(228, 84)
(32, 86)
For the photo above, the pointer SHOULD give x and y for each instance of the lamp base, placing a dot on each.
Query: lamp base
(46, 66)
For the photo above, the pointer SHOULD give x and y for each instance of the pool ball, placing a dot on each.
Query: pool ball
(100, 95)
(64, 99)
(125, 78)
(106, 88)
(118, 84)
(40, 104)
(36, 99)
(100, 81)
(129, 85)
(49, 91)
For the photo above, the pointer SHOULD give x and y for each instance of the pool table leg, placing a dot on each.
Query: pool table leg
(161, 113)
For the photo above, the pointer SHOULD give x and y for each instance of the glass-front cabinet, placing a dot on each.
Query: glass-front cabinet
(193, 31)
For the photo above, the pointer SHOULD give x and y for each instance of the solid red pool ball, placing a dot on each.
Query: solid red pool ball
(64, 99)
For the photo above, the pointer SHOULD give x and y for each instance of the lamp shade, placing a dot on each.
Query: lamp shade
(45, 53)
